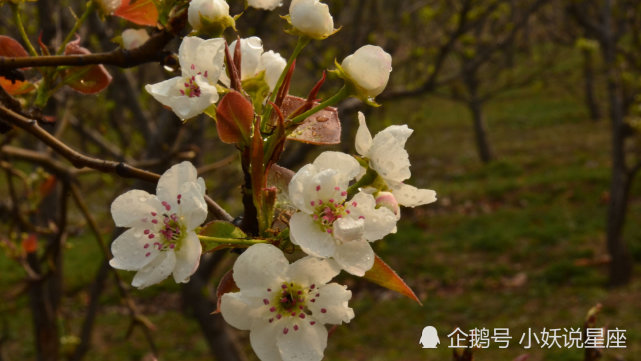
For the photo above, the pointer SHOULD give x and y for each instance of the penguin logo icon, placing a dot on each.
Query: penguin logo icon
(429, 337)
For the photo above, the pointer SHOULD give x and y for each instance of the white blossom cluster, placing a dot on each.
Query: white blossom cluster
(342, 203)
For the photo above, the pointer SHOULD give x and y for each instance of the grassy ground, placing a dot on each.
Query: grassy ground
(513, 244)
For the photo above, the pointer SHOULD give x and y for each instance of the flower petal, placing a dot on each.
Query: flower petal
(304, 232)
(312, 18)
(187, 258)
(311, 270)
(192, 207)
(344, 164)
(236, 311)
(202, 57)
(307, 343)
(299, 188)
(355, 257)
(388, 156)
(273, 64)
(349, 229)
(378, 222)
(263, 340)
(363, 136)
(265, 4)
(170, 182)
(133, 207)
(167, 92)
(259, 266)
(156, 271)
(410, 196)
(369, 67)
(129, 250)
(333, 299)
(251, 50)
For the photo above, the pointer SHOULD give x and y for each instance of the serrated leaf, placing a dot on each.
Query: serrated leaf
(234, 117)
(88, 79)
(323, 127)
(385, 276)
(226, 285)
(141, 12)
(219, 229)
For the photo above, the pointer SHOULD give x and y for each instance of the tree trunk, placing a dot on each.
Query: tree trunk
(475, 105)
(588, 77)
(620, 260)
(480, 133)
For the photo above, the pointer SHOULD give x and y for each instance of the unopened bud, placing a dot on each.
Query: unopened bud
(387, 200)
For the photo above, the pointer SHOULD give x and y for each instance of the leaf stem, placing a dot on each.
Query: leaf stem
(225, 240)
(367, 179)
(18, 19)
(333, 100)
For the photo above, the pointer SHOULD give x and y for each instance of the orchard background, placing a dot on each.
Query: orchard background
(526, 119)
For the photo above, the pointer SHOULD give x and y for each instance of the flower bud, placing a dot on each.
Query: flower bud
(133, 38)
(109, 6)
(368, 70)
(265, 4)
(312, 18)
(387, 200)
(210, 16)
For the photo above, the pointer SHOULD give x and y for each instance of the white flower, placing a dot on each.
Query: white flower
(161, 238)
(133, 38)
(265, 4)
(285, 306)
(312, 18)
(329, 225)
(274, 64)
(254, 61)
(109, 6)
(368, 69)
(388, 157)
(190, 94)
(212, 11)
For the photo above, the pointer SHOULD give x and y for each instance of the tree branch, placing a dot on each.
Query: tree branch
(80, 160)
(150, 51)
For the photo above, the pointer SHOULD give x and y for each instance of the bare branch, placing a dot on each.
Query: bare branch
(150, 51)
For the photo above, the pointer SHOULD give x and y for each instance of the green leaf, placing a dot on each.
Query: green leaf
(384, 275)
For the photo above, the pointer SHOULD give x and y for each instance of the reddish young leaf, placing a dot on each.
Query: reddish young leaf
(11, 48)
(141, 12)
(88, 79)
(324, 127)
(47, 186)
(225, 285)
(30, 244)
(384, 275)
(16, 87)
(234, 116)
(279, 177)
